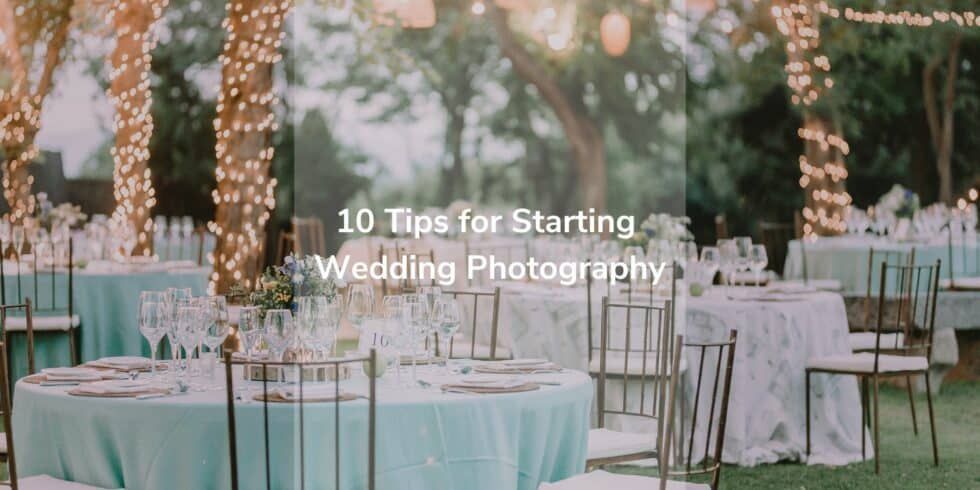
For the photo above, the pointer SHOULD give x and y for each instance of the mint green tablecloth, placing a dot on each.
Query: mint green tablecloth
(107, 305)
(845, 259)
(427, 440)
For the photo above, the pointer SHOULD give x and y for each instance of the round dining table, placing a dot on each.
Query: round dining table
(777, 333)
(427, 439)
(106, 300)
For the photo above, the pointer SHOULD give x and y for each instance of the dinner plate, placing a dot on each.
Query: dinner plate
(524, 362)
(69, 372)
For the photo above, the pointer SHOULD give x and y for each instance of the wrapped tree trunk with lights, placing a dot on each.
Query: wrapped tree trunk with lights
(129, 92)
(244, 126)
(29, 27)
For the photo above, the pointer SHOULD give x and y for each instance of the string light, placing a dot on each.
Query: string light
(245, 192)
(906, 18)
(25, 23)
(129, 93)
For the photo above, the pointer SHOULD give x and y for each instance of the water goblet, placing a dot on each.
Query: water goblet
(758, 260)
(279, 332)
(360, 304)
(446, 316)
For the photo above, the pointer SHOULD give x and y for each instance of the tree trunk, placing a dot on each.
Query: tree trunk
(941, 126)
(245, 191)
(819, 156)
(20, 105)
(129, 92)
(582, 133)
(453, 182)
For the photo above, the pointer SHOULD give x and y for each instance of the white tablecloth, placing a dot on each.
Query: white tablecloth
(766, 415)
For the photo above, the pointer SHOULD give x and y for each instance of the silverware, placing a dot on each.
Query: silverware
(150, 396)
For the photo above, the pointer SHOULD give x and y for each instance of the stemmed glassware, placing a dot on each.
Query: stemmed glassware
(17, 236)
(429, 295)
(216, 328)
(415, 318)
(446, 317)
(744, 245)
(314, 323)
(249, 329)
(151, 323)
(173, 298)
(360, 304)
(728, 255)
(279, 332)
(189, 332)
(711, 261)
(758, 260)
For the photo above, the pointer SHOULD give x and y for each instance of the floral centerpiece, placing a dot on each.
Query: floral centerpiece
(51, 217)
(901, 202)
(280, 285)
(660, 226)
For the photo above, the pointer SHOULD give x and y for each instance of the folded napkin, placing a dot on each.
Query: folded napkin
(517, 367)
(122, 363)
(961, 284)
(311, 393)
(116, 388)
(501, 386)
(71, 374)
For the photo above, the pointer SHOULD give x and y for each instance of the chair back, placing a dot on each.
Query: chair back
(502, 252)
(776, 238)
(408, 284)
(870, 308)
(29, 331)
(963, 256)
(712, 380)
(57, 261)
(907, 305)
(285, 245)
(336, 399)
(636, 349)
(309, 235)
(6, 391)
(484, 330)
(721, 227)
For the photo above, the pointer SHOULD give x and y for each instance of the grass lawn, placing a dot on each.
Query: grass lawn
(906, 460)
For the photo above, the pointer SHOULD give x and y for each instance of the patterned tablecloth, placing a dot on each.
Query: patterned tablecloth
(766, 416)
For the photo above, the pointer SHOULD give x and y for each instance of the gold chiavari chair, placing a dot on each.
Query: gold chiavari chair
(863, 337)
(506, 253)
(721, 227)
(55, 314)
(640, 356)
(712, 392)
(35, 482)
(408, 284)
(915, 288)
(474, 337)
(309, 235)
(285, 245)
(303, 394)
(959, 256)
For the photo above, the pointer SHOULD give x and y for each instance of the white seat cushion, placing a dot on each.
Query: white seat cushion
(602, 480)
(605, 443)
(3, 443)
(864, 341)
(461, 350)
(961, 284)
(616, 364)
(45, 482)
(53, 323)
(864, 362)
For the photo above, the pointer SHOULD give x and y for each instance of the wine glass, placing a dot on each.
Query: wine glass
(728, 254)
(310, 313)
(216, 328)
(758, 261)
(711, 260)
(391, 305)
(173, 297)
(326, 326)
(151, 323)
(249, 329)
(446, 317)
(360, 304)
(743, 244)
(279, 332)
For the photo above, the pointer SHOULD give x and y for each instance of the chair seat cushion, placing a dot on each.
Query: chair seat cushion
(3, 443)
(616, 364)
(603, 480)
(461, 350)
(45, 482)
(863, 362)
(961, 284)
(605, 443)
(865, 341)
(49, 323)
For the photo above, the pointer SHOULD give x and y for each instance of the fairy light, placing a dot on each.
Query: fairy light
(129, 93)
(902, 18)
(25, 24)
(245, 192)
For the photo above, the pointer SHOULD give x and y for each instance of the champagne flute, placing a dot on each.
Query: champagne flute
(249, 329)
(216, 328)
(415, 318)
(743, 245)
(188, 316)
